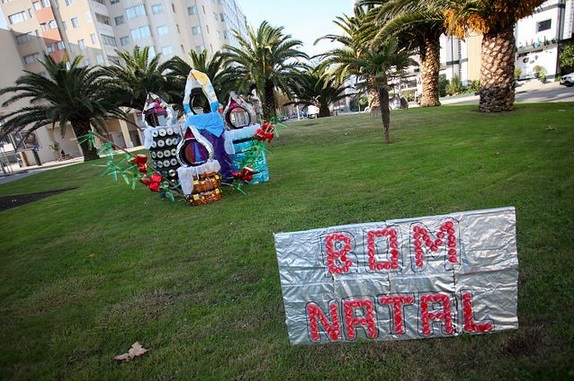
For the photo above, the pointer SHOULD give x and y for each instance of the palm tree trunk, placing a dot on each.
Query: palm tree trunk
(269, 101)
(373, 95)
(383, 94)
(497, 71)
(81, 128)
(430, 67)
(324, 111)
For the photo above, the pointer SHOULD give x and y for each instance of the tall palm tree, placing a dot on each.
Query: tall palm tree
(418, 27)
(376, 67)
(495, 20)
(318, 87)
(269, 59)
(75, 94)
(222, 77)
(136, 76)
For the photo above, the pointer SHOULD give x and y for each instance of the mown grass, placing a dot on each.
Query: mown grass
(85, 273)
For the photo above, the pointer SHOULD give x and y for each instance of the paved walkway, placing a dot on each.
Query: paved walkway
(15, 172)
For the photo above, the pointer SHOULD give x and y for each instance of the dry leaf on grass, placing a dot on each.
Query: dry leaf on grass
(135, 351)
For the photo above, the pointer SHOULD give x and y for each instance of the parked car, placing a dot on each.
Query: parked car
(567, 80)
(312, 112)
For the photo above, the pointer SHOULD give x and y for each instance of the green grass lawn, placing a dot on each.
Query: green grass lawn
(86, 273)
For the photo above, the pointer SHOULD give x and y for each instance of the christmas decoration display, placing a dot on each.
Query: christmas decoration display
(162, 137)
(244, 141)
(201, 153)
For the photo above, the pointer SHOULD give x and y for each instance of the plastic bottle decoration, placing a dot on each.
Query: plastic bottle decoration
(207, 120)
(197, 153)
(161, 137)
(247, 153)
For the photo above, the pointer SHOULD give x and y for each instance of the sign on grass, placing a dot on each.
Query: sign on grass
(426, 277)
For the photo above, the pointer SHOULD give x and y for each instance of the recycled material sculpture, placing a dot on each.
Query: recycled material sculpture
(243, 141)
(200, 173)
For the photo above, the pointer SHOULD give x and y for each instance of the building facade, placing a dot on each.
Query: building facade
(97, 29)
(540, 36)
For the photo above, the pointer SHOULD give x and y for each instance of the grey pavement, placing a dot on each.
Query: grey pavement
(531, 91)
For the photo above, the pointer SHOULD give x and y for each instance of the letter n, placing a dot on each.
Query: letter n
(316, 316)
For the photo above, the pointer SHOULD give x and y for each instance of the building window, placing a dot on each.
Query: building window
(173, 7)
(192, 10)
(37, 6)
(60, 45)
(109, 40)
(43, 27)
(195, 30)
(75, 22)
(52, 24)
(136, 11)
(93, 38)
(157, 8)
(103, 19)
(17, 17)
(177, 27)
(140, 33)
(200, 48)
(23, 38)
(46, 3)
(112, 2)
(162, 30)
(100, 59)
(88, 16)
(100, 1)
(50, 48)
(207, 28)
(119, 20)
(167, 51)
(87, 62)
(543, 25)
(64, 26)
(32, 58)
(222, 17)
(124, 40)
(215, 16)
(69, 2)
(81, 44)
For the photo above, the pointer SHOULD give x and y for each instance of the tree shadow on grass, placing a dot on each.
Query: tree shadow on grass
(9, 202)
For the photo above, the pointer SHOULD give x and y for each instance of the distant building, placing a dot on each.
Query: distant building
(539, 37)
(97, 29)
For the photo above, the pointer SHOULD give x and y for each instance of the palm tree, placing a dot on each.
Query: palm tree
(74, 94)
(418, 27)
(138, 75)
(318, 87)
(354, 42)
(222, 77)
(495, 20)
(268, 59)
(376, 67)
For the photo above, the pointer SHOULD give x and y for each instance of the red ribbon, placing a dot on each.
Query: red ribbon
(245, 175)
(266, 132)
(152, 183)
(141, 161)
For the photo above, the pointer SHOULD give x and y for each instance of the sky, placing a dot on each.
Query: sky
(305, 20)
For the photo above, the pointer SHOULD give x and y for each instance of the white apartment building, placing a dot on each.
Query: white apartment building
(97, 29)
(540, 36)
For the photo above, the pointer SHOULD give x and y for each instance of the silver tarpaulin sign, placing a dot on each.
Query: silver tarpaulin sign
(438, 276)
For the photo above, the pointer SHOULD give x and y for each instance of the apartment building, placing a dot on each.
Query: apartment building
(540, 36)
(97, 29)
